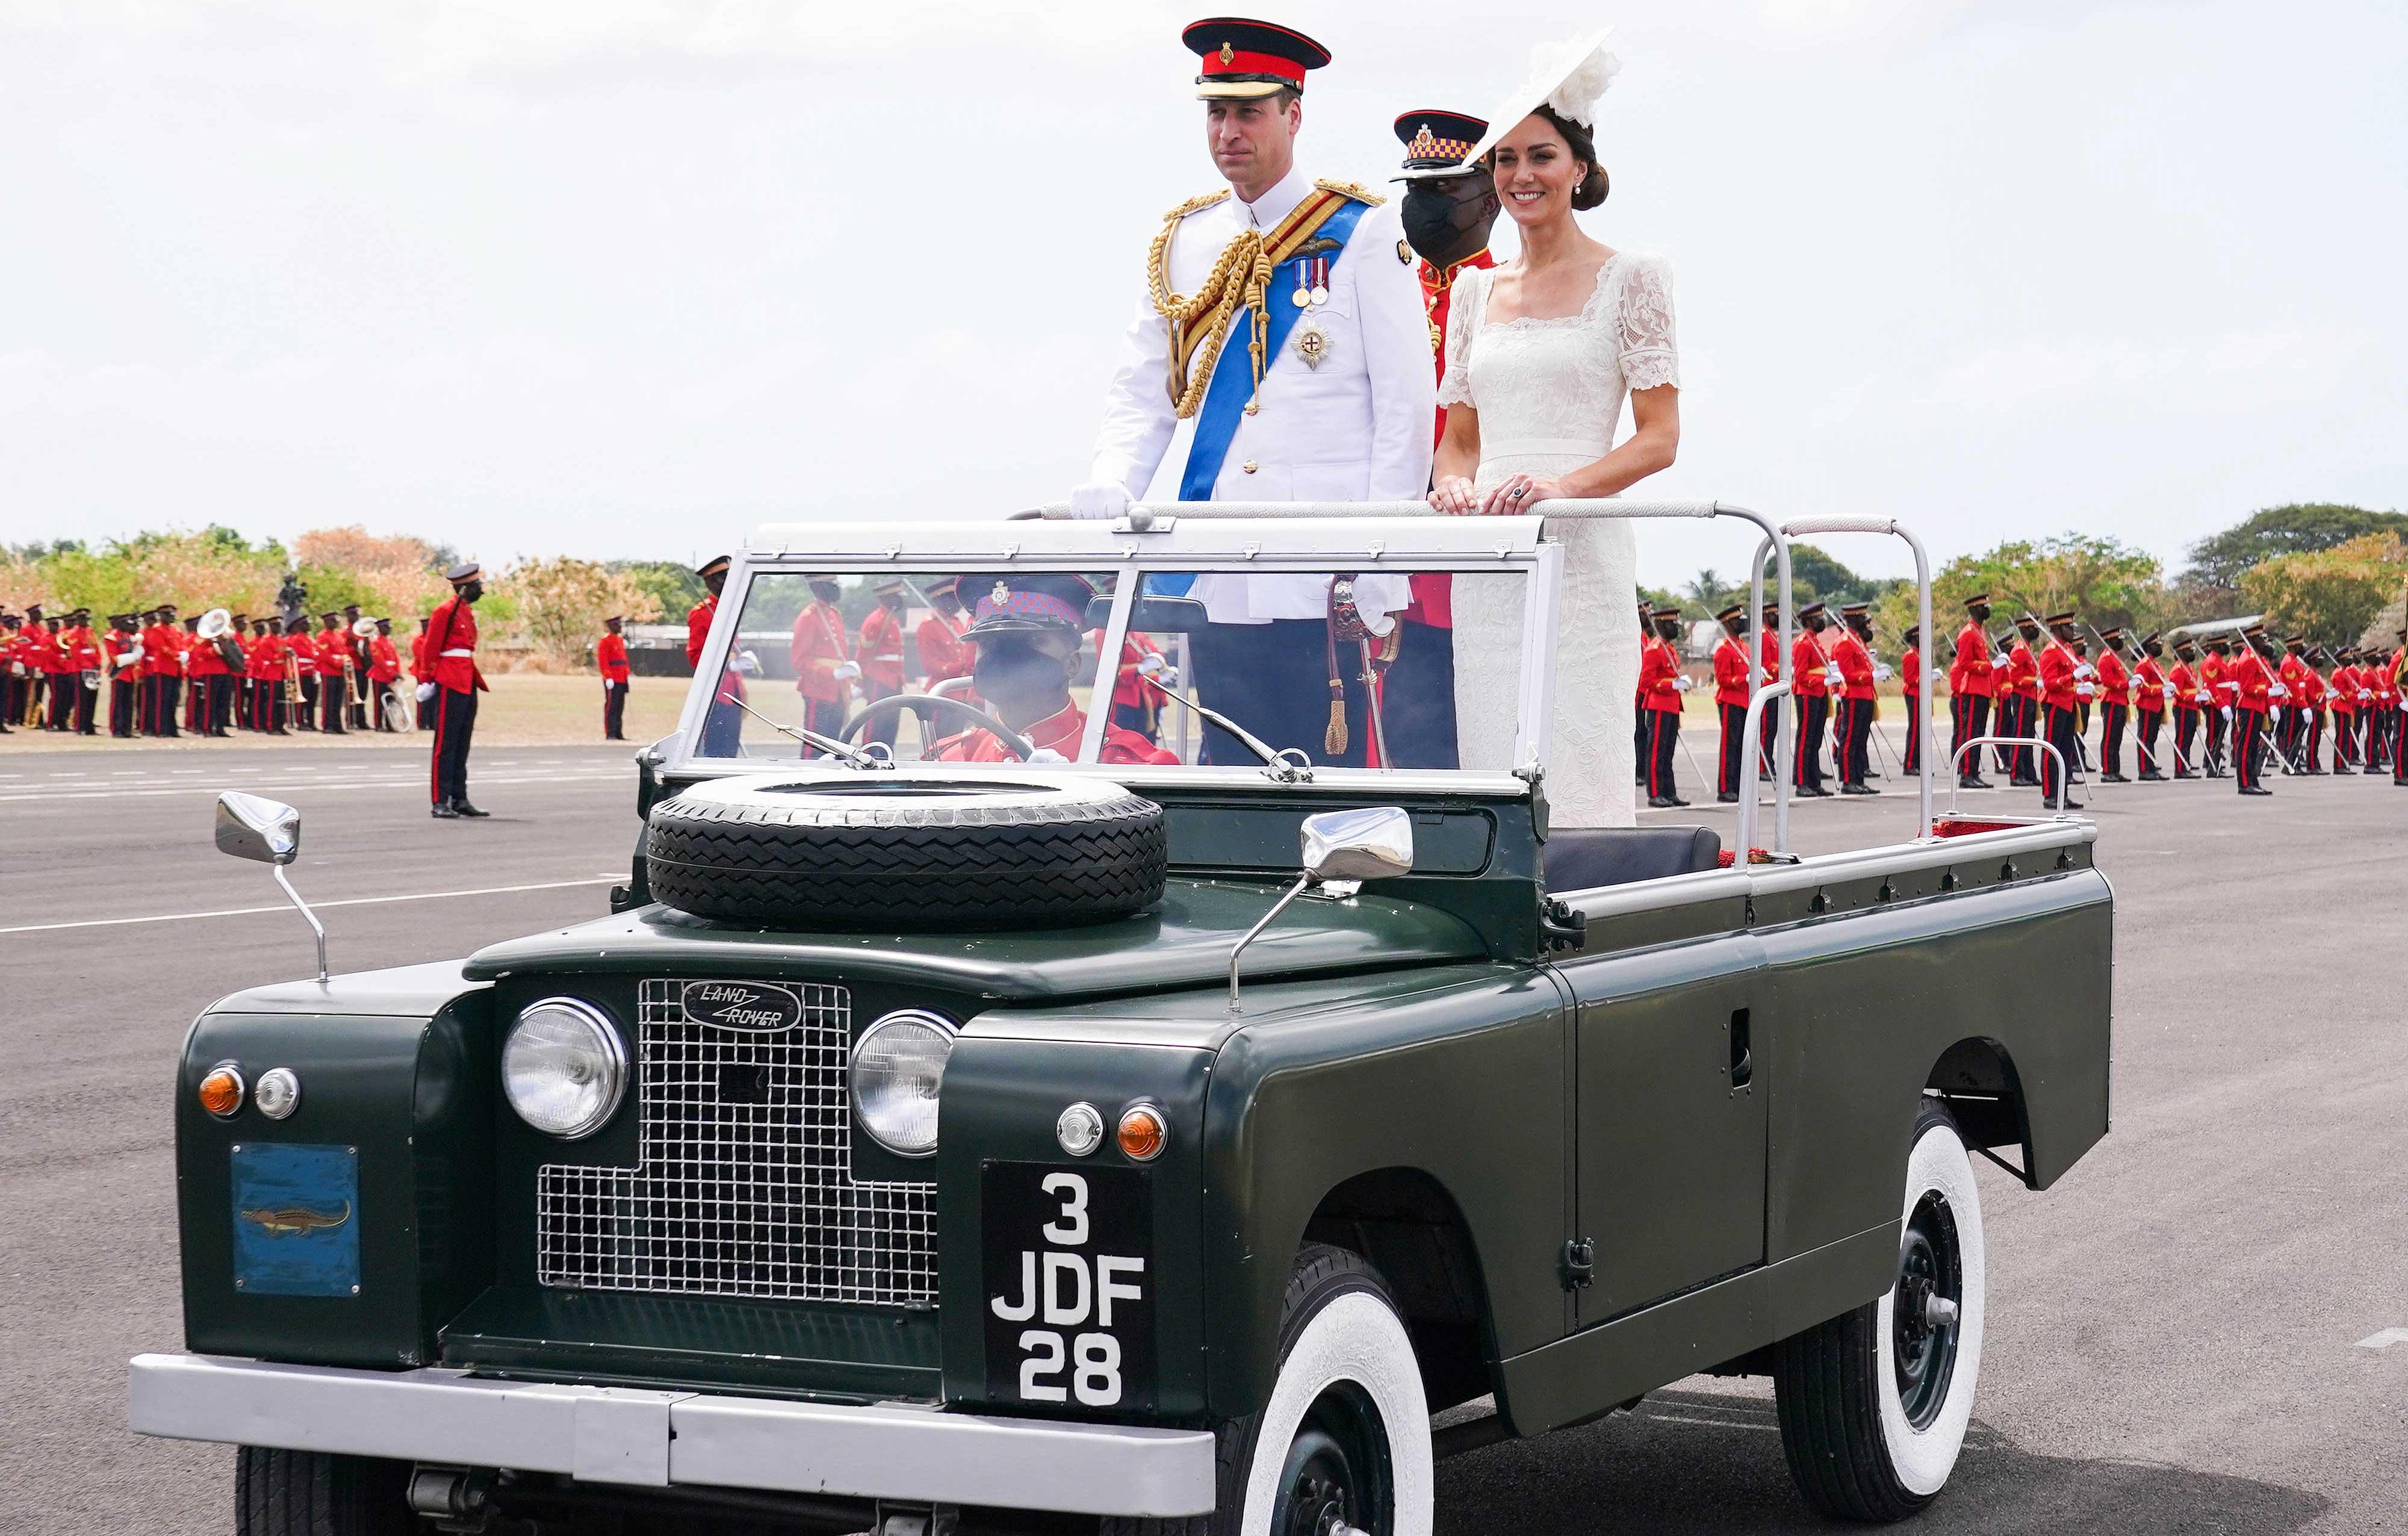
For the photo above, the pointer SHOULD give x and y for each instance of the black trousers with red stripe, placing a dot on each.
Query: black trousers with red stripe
(1855, 740)
(1968, 719)
(2145, 739)
(1663, 730)
(2186, 739)
(1726, 766)
(2111, 746)
(455, 726)
(2216, 729)
(2057, 722)
(1813, 713)
(2248, 741)
(614, 711)
(1912, 761)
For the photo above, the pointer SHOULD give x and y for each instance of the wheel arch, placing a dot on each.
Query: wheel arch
(1976, 1078)
(1405, 1223)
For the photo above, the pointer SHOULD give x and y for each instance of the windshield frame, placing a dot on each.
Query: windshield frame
(1171, 545)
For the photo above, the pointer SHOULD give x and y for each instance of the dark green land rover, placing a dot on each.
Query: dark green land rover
(1054, 1099)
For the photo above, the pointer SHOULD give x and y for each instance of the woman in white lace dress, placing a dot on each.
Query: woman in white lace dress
(1540, 353)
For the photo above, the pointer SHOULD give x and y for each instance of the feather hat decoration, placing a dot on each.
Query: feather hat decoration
(1570, 74)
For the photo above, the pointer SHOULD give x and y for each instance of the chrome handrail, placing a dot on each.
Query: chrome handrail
(1956, 763)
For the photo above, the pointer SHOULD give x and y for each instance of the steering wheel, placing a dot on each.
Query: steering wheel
(919, 704)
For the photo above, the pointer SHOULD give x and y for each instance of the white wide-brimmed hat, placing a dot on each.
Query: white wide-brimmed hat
(1569, 75)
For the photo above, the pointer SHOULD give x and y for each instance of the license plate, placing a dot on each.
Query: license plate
(1067, 1261)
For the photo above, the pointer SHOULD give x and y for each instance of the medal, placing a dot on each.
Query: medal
(1303, 294)
(1320, 294)
(1312, 341)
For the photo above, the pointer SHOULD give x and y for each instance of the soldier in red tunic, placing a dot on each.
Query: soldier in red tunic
(881, 655)
(2152, 691)
(1447, 219)
(384, 672)
(457, 683)
(1733, 679)
(2114, 689)
(2253, 685)
(1910, 686)
(722, 725)
(1660, 687)
(943, 653)
(610, 660)
(826, 674)
(1026, 637)
(2055, 670)
(1814, 678)
(1851, 653)
(1970, 688)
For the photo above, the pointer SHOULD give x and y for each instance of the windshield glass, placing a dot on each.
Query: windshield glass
(1331, 668)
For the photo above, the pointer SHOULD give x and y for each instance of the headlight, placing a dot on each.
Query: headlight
(564, 1067)
(899, 1067)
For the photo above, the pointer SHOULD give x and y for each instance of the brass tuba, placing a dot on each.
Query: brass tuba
(215, 629)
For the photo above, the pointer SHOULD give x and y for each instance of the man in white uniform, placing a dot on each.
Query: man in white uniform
(1283, 316)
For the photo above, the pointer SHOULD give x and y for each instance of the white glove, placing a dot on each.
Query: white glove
(2226, 712)
(426, 693)
(2001, 661)
(748, 663)
(1099, 499)
(2278, 691)
(1881, 671)
(1150, 666)
(609, 684)
(1832, 676)
(2086, 670)
(2084, 690)
(847, 670)
(1046, 754)
(2364, 697)
(1684, 685)
(2168, 690)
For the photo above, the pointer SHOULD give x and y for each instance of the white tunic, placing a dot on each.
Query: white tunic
(1357, 429)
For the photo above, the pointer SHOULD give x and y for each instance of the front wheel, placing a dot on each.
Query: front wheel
(1344, 1444)
(308, 1493)
(1874, 1403)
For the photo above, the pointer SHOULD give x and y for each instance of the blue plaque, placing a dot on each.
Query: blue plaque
(296, 1227)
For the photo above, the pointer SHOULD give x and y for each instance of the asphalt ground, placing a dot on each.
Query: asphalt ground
(2181, 1333)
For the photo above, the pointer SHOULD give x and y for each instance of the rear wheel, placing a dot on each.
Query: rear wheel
(1343, 1443)
(308, 1493)
(1874, 1403)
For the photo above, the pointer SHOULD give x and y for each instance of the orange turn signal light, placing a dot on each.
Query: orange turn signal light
(221, 1092)
(1142, 1133)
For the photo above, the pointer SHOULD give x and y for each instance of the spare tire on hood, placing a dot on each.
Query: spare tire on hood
(903, 851)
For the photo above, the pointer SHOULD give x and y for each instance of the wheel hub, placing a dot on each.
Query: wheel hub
(1925, 1310)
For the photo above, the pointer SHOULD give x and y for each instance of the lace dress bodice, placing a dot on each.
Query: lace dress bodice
(1549, 393)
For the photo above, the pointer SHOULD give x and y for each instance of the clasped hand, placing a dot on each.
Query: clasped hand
(1514, 494)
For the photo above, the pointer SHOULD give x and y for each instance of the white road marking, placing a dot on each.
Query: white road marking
(2383, 1339)
(349, 902)
(318, 786)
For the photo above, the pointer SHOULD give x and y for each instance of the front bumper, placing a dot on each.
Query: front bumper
(654, 1439)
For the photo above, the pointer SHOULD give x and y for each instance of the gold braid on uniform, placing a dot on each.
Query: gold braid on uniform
(1216, 302)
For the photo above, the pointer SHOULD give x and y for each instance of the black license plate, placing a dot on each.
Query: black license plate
(1068, 1287)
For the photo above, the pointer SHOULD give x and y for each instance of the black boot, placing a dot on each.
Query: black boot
(462, 808)
(444, 811)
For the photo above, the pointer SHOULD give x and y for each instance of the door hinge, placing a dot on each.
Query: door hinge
(1577, 1266)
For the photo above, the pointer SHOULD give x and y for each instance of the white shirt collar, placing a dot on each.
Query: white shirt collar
(1276, 204)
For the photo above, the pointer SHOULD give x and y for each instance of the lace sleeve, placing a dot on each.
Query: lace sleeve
(1463, 309)
(1643, 329)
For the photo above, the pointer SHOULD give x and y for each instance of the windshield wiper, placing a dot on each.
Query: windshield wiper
(828, 744)
(1279, 761)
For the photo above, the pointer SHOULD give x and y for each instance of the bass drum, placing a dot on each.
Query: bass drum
(902, 852)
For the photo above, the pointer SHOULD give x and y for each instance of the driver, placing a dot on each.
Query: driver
(1025, 633)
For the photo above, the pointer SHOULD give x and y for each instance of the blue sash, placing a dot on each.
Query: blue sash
(1232, 386)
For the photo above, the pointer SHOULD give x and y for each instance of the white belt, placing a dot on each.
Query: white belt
(455, 652)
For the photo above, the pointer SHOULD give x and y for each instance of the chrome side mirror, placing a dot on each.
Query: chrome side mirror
(1373, 844)
(1341, 849)
(253, 827)
(267, 832)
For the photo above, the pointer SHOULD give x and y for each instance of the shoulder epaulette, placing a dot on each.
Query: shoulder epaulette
(1195, 205)
(1355, 189)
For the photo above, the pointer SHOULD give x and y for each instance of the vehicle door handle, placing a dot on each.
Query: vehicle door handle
(1742, 1059)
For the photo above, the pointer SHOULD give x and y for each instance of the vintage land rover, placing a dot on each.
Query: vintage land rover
(1039, 1102)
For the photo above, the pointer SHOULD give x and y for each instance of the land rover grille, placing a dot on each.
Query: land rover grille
(744, 1185)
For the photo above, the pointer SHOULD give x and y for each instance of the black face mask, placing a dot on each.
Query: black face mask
(1016, 676)
(1449, 220)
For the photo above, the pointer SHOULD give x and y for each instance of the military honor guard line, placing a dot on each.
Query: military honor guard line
(1321, 341)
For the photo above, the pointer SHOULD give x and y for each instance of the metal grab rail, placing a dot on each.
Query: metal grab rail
(1748, 734)
(1807, 526)
(1956, 763)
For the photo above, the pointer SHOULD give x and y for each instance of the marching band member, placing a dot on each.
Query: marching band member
(9, 667)
(203, 666)
(610, 660)
(1281, 315)
(333, 649)
(420, 670)
(162, 672)
(79, 656)
(120, 655)
(456, 682)
(383, 672)
(1733, 678)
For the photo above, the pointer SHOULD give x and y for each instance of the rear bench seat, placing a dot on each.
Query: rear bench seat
(1584, 860)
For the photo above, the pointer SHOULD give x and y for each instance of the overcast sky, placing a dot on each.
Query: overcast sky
(621, 280)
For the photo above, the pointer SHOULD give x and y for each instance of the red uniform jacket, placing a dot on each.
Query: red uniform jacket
(2114, 678)
(1660, 676)
(79, 649)
(2055, 670)
(263, 657)
(1771, 654)
(1062, 732)
(2149, 687)
(611, 655)
(881, 650)
(452, 648)
(1808, 655)
(1731, 680)
(160, 656)
(942, 650)
(2345, 690)
(384, 662)
(334, 646)
(2293, 673)
(1970, 673)
(2023, 671)
(2216, 676)
(1909, 677)
(1135, 647)
(2256, 682)
(819, 644)
(201, 658)
(113, 645)
(1855, 665)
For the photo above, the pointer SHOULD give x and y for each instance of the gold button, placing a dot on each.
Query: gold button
(1248, 467)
